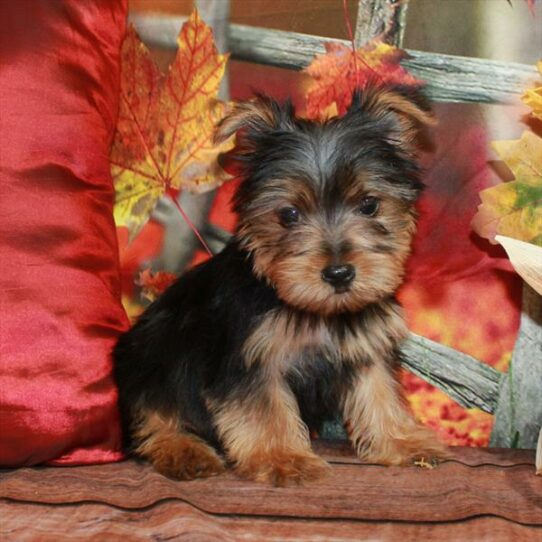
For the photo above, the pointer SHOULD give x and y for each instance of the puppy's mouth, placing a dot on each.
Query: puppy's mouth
(342, 289)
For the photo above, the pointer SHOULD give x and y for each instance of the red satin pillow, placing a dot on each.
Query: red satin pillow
(60, 310)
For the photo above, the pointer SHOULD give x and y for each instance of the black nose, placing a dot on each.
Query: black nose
(339, 275)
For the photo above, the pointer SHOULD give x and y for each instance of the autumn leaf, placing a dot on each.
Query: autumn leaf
(164, 133)
(338, 72)
(514, 208)
(154, 284)
(523, 156)
(533, 97)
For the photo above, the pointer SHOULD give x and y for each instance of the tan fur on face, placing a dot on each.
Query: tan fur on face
(173, 452)
(292, 260)
(381, 427)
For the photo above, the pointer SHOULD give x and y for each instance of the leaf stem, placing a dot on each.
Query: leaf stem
(173, 195)
(351, 38)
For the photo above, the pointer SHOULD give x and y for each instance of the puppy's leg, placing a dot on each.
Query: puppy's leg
(382, 428)
(172, 451)
(265, 437)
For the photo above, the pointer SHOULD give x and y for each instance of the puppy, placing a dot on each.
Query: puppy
(295, 322)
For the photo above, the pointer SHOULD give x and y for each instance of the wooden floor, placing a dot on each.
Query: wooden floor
(481, 494)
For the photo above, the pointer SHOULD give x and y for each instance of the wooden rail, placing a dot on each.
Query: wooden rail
(471, 383)
(449, 78)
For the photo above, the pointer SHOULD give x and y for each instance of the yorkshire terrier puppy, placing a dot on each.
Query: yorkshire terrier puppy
(295, 322)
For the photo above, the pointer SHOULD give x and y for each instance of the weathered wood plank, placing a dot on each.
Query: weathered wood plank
(518, 416)
(449, 78)
(174, 520)
(471, 383)
(351, 492)
(385, 19)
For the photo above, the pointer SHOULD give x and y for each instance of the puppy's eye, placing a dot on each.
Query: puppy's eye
(369, 206)
(288, 216)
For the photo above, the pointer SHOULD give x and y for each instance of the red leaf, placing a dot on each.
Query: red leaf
(337, 73)
(154, 284)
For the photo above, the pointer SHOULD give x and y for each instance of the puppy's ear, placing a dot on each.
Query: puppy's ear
(404, 108)
(252, 119)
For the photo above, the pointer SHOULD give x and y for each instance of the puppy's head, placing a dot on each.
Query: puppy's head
(326, 209)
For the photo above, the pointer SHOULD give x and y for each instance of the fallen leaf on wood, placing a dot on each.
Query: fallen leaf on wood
(422, 463)
(164, 133)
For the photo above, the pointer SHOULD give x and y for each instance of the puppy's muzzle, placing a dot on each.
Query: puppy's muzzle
(339, 276)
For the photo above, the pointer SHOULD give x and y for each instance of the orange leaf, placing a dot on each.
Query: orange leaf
(164, 132)
(337, 73)
(154, 284)
(140, 82)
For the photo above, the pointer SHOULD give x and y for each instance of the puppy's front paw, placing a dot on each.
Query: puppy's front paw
(418, 444)
(283, 468)
(186, 459)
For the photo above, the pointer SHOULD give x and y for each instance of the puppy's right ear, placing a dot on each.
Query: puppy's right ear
(403, 110)
(253, 119)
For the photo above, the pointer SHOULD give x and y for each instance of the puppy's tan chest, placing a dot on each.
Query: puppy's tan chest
(282, 340)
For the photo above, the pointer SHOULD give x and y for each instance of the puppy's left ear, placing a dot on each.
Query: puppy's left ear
(252, 119)
(252, 122)
(404, 108)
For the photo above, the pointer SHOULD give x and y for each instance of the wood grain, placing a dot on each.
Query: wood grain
(518, 416)
(354, 491)
(383, 19)
(466, 380)
(173, 520)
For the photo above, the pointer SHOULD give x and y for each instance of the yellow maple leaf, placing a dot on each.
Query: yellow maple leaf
(523, 156)
(164, 133)
(533, 97)
(514, 208)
